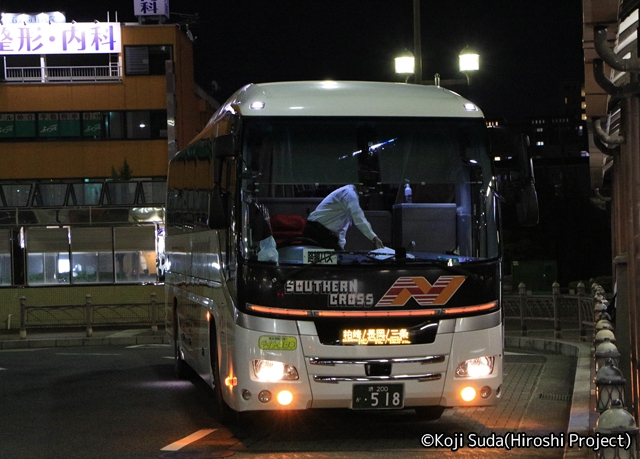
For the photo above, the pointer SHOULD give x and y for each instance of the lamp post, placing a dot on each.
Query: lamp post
(417, 42)
(469, 60)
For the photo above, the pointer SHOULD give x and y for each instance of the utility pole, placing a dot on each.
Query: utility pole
(417, 46)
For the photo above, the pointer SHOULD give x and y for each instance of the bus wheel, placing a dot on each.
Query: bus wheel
(429, 413)
(221, 411)
(179, 364)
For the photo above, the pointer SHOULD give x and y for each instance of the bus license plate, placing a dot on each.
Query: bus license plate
(378, 396)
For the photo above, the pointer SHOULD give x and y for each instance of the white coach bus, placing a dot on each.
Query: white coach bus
(273, 319)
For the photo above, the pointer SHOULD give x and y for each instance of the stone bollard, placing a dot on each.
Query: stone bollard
(609, 386)
(602, 335)
(606, 350)
(618, 424)
(604, 324)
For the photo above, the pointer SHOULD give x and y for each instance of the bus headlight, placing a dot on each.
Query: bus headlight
(476, 368)
(271, 370)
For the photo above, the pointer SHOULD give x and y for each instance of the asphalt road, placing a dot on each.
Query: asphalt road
(124, 402)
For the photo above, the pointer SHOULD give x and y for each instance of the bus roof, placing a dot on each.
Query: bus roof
(343, 98)
(350, 98)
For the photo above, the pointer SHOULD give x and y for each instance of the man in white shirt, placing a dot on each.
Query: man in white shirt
(328, 224)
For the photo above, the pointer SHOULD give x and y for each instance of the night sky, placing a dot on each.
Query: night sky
(527, 49)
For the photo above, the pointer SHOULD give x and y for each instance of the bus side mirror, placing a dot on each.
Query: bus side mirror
(219, 212)
(513, 150)
(524, 179)
(527, 205)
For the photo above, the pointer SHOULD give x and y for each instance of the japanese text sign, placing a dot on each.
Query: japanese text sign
(151, 7)
(56, 38)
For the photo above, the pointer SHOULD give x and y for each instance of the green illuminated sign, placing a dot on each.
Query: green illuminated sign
(278, 343)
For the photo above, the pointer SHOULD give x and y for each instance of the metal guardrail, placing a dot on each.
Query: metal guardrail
(61, 74)
(88, 315)
(574, 310)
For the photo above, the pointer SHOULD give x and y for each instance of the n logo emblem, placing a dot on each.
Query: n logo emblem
(421, 290)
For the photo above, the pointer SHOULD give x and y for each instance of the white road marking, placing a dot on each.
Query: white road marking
(137, 346)
(2, 369)
(176, 445)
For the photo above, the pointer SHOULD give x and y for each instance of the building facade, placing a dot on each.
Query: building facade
(90, 114)
(613, 110)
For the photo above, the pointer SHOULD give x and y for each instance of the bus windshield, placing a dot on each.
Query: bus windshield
(425, 185)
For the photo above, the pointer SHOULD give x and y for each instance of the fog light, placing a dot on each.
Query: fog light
(485, 392)
(284, 397)
(468, 394)
(246, 394)
(264, 396)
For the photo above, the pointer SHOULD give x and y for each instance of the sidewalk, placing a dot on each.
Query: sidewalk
(583, 415)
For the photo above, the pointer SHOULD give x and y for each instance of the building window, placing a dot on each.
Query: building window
(146, 124)
(135, 254)
(70, 125)
(48, 125)
(91, 124)
(91, 255)
(16, 195)
(121, 193)
(146, 60)
(154, 192)
(114, 125)
(50, 194)
(7, 126)
(25, 125)
(138, 124)
(97, 255)
(87, 194)
(48, 256)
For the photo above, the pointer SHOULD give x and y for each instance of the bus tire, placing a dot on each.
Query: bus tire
(180, 366)
(222, 412)
(429, 413)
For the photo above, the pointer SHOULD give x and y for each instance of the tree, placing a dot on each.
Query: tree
(125, 172)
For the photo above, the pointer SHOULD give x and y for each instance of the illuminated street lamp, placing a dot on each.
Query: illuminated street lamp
(469, 62)
(405, 64)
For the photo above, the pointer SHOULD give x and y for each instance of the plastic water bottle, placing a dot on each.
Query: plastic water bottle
(408, 194)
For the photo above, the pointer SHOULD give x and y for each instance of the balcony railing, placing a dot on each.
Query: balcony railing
(63, 74)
